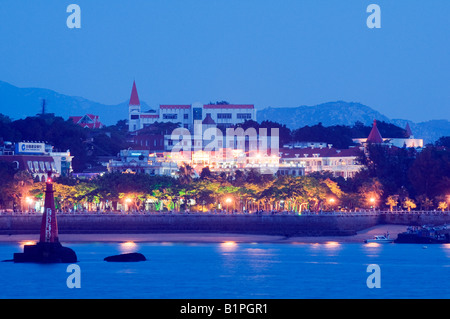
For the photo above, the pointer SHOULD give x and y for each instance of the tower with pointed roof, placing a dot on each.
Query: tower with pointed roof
(407, 141)
(134, 110)
(409, 133)
(374, 136)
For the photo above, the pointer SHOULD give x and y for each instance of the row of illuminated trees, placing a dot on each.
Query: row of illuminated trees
(241, 191)
(372, 188)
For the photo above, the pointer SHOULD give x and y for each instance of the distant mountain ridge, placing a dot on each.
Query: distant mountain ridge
(19, 103)
(347, 113)
(331, 113)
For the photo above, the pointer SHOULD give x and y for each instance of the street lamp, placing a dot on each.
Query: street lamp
(29, 201)
(331, 201)
(372, 201)
(228, 200)
(127, 203)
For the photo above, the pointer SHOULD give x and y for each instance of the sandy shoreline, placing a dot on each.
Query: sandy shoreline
(211, 237)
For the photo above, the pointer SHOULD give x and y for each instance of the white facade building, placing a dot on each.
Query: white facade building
(223, 115)
(142, 161)
(340, 162)
(37, 158)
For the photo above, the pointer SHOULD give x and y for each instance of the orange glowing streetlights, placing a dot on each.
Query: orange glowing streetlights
(228, 201)
(127, 203)
(372, 201)
(29, 201)
(331, 201)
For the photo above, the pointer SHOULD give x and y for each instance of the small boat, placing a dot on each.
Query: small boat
(425, 235)
(382, 239)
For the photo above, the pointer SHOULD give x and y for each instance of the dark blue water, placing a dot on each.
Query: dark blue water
(231, 270)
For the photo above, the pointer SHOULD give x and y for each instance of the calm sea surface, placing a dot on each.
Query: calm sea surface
(230, 270)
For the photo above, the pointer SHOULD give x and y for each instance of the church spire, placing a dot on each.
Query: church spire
(134, 99)
(409, 133)
(374, 136)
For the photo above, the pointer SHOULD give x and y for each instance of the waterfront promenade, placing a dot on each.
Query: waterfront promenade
(284, 224)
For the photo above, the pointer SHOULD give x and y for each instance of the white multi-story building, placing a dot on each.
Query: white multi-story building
(223, 115)
(38, 158)
(340, 162)
(142, 161)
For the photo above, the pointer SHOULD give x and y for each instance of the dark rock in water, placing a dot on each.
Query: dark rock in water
(126, 257)
(44, 252)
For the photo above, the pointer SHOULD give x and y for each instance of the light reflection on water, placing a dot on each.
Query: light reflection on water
(228, 246)
(372, 249)
(236, 270)
(332, 244)
(446, 249)
(26, 242)
(128, 247)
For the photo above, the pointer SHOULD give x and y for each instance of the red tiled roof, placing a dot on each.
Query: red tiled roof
(134, 99)
(91, 125)
(75, 119)
(92, 116)
(408, 130)
(23, 160)
(228, 106)
(374, 136)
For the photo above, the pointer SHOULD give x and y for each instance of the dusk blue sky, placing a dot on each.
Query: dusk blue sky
(269, 53)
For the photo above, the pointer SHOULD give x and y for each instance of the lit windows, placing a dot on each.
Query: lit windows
(244, 116)
(224, 115)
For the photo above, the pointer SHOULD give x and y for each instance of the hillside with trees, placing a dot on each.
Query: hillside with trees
(394, 177)
(84, 144)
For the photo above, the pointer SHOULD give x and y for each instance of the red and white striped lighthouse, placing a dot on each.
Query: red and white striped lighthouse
(49, 226)
(48, 249)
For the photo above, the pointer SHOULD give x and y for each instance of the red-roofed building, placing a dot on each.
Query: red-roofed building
(87, 121)
(376, 138)
(223, 115)
(37, 158)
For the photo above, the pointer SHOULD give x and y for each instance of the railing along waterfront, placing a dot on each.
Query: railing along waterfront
(265, 213)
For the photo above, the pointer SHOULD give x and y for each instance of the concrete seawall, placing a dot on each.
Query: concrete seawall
(284, 225)
(324, 224)
(415, 218)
